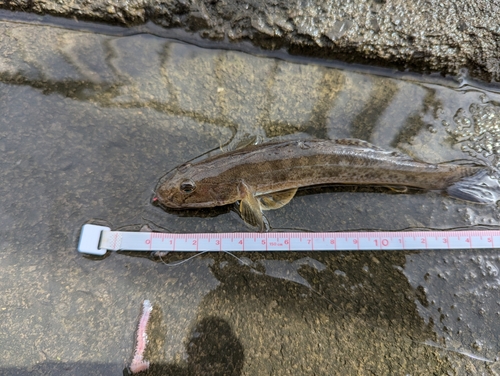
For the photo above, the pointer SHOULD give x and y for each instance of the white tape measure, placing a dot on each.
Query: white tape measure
(97, 240)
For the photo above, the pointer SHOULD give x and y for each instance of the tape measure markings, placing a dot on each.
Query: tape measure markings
(98, 239)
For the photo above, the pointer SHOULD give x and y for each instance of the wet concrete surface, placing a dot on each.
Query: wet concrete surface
(434, 35)
(91, 121)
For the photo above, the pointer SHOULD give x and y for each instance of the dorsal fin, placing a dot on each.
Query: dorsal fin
(355, 142)
(242, 142)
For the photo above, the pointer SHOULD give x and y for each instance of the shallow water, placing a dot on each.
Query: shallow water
(90, 122)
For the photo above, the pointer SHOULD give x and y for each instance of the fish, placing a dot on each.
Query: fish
(267, 176)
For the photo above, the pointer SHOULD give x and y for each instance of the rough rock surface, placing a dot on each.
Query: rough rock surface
(423, 35)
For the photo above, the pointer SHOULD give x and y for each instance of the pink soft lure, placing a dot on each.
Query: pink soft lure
(138, 363)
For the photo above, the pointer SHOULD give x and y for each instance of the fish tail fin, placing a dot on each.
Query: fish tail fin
(480, 188)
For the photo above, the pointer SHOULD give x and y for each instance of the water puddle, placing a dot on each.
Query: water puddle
(91, 121)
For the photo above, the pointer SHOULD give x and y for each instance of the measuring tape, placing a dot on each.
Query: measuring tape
(97, 240)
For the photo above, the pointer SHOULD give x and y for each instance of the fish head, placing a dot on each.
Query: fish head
(193, 186)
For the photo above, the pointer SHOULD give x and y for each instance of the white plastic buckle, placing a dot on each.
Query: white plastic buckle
(90, 239)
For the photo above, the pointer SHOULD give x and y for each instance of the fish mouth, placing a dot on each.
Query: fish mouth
(156, 200)
(171, 204)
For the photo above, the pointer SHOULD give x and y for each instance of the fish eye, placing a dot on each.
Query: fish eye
(187, 186)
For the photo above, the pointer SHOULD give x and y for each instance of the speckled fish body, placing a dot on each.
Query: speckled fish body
(267, 176)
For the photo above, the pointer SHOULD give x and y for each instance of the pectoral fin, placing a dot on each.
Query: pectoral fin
(250, 208)
(277, 200)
